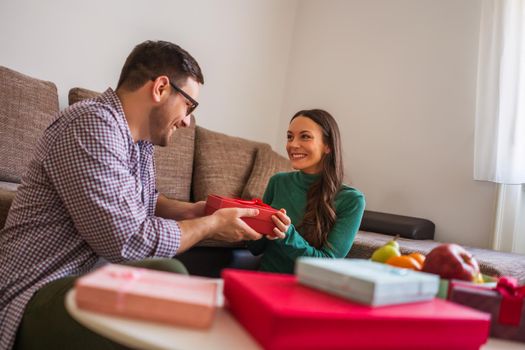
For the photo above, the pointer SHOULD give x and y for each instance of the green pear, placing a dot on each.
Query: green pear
(382, 254)
(393, 242)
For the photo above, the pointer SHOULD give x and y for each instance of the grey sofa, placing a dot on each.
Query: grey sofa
(198, 162)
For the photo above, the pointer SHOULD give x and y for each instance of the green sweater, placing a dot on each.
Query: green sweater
(289, 191)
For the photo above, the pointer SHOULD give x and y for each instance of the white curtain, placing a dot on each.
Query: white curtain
(499, 149)
(499, 152)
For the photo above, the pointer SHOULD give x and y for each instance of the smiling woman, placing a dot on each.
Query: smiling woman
(321, 215)
(305, 145)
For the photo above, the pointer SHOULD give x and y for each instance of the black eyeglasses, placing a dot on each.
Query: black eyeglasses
(193, 103)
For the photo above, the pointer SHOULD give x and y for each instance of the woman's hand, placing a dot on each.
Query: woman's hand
(282, 223)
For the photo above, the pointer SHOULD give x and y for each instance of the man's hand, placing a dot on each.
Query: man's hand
(224, 225)
(231, 228)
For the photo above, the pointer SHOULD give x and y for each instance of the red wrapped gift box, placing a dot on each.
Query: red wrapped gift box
(261, 223)
(282, 314)
(505, 304)
(148, 295)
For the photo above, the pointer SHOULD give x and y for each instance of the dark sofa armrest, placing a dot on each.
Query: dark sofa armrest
(391, 224)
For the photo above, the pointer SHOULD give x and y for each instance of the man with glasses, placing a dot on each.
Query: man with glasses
(89, 193)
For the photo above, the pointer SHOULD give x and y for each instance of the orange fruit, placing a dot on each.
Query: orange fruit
(419, 257)
(404, 261)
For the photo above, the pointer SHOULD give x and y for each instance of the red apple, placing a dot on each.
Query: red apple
(453, 262)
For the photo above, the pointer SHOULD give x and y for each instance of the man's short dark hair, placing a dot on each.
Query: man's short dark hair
(151, 59)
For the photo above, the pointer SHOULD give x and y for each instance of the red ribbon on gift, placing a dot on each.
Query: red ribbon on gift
(257, 202)
(512, 300)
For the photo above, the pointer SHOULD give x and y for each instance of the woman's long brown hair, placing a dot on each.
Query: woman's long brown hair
(320, 216)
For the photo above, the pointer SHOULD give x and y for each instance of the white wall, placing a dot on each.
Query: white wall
(242, 47)
(400, 77)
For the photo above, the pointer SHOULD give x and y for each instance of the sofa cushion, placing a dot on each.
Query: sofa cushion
(78, 94)
(173, 164)
(267, 163)
(27, 107)
(222, 164)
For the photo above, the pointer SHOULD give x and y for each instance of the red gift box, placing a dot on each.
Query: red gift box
(148, 295)
(282, 314)
(261, 223)
(505, 304)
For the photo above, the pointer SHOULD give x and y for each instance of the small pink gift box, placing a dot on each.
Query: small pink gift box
(148, 295)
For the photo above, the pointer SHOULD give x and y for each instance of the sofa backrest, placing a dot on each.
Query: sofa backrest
(232, 166)
(267, 162)
(77, 94)
(222, 164)
(27, 106)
